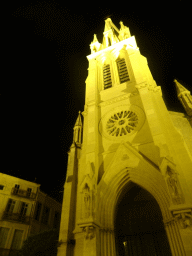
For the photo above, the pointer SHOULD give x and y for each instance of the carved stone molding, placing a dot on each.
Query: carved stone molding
(133, 93)
(140, 86)
(168, 221)
(157, 89)
(89, 232)
(84, 113)
(109, 102)
(183, 217)
(124, 97)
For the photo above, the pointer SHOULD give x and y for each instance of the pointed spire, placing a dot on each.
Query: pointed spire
(110, 32)
(95, 39)
(185, 97)
(77, 133)
(124, 32)
(78, 121)
(95, 45)
(107, 24)
(112, 35)
(179, 88)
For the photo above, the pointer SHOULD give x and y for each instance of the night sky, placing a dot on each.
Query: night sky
(47, 68)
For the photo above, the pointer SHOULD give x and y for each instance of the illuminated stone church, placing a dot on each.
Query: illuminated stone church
(128, 188)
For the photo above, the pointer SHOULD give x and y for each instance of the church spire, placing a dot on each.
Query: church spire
(111, 36)
(109, 33)
(95, 45)
(124, 32)
(77, 130)
(185, 97)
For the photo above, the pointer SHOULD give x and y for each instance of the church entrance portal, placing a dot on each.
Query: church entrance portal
(139, 229)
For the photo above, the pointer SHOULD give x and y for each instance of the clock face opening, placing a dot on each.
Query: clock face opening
(121, 121)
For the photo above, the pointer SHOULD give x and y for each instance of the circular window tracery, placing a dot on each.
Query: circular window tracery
(121, 123)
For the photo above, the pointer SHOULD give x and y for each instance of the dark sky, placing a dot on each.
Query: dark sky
(47, 68)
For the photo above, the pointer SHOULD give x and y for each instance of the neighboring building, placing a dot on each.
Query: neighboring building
(128, 188)
(47, 214)
(24, 210)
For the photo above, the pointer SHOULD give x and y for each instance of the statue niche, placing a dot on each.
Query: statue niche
(88, 194)
(86, 202)
(173, 186)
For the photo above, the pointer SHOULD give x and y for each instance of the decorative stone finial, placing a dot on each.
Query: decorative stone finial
(185, 97)
(95, 39)
(121, 24)
(124, 32)
(95, 45)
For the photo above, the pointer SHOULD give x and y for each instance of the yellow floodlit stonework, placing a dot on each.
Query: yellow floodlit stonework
(129, 176)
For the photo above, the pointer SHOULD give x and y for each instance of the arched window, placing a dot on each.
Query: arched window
(122, 70)
(107, 76)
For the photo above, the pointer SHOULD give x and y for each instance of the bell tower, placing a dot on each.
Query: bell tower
(130, 148)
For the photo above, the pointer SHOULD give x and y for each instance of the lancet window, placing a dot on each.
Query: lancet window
(122, 70)
(107, 76)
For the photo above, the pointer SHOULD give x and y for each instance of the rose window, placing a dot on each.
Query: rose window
(121, 123)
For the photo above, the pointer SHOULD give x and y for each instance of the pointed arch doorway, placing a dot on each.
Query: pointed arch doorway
(139, 229)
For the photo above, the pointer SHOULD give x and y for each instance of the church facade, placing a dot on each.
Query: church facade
(128, 188)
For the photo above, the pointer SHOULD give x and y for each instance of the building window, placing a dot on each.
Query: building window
(3, 236)
(17, 239)
(10, 206)
(38, 211)
(16, 190)
(56, 220)
(29, 190)
(1, 187)
(107, 77)
(45, 216)
(122, 70)
(23, 210)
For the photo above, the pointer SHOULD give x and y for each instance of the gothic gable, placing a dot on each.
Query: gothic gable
(126, 156)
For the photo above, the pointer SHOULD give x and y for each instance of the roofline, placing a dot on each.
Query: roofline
(34, 183)
(40, 191)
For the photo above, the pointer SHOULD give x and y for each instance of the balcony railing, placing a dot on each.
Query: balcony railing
(23, 193)
(16, 217)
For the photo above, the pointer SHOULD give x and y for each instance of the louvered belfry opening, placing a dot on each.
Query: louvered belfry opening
(122, 69)
(107, 76)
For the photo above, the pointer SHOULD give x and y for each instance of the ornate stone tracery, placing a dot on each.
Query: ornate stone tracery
(122, 123)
